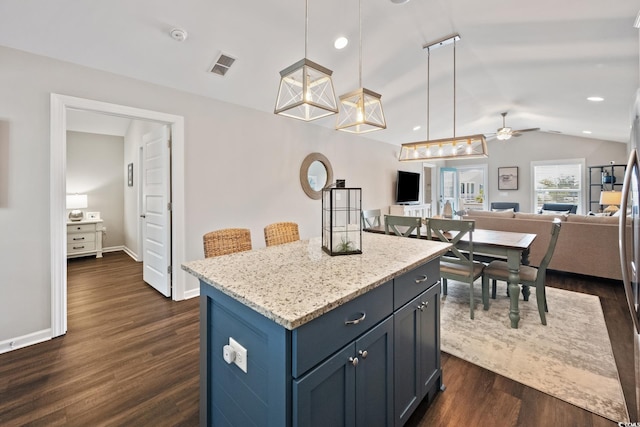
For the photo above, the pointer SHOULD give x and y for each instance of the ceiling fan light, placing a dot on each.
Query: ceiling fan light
(503, 134)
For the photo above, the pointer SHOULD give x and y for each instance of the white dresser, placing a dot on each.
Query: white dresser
(422, 211)
(84, 238)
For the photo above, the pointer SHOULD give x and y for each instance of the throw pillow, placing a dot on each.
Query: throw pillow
(548, 212)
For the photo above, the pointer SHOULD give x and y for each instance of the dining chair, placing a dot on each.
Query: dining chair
(407, 224)
(371, 218)
(456, 264)
(529, 276)
(226, 241)
(281, 232)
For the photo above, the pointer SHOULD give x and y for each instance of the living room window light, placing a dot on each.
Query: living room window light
(557, 181)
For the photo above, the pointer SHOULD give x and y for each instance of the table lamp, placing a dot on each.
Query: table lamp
(75, 202)
(612, 199)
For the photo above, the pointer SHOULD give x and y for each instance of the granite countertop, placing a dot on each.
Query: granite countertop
(297, 282)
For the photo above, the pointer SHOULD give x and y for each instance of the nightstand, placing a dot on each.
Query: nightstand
(84, 238)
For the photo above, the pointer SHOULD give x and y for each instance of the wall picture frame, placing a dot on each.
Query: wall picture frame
(130, 175)
(508, 178)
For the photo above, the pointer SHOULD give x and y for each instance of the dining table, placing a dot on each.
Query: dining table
(511, 246)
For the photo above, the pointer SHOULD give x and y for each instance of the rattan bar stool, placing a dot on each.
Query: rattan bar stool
(281, 232)
(226, 241)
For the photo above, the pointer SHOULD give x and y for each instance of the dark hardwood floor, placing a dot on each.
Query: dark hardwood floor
(130, 358)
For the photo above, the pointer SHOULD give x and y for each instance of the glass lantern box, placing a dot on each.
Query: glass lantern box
(341, 216)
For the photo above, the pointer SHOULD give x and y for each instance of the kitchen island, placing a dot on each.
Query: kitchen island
(329, 340)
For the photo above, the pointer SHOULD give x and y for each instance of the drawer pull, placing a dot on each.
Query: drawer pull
(356, 321)
(78, 247)
(424, 278)
(353, 361)
(423, 305)
(78, 238)
(363, 353)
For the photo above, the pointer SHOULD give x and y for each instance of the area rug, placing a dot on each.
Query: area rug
(570, 358)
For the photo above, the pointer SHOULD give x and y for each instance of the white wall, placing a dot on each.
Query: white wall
(94, 167)
(241, 170)
(535, 146)
(132, 143)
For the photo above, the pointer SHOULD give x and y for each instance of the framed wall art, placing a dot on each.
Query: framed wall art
(130, 174)
(508, 178)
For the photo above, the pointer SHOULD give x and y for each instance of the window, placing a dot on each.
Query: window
(557, 181)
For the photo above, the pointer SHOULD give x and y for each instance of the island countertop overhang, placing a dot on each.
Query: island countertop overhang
(297, 282)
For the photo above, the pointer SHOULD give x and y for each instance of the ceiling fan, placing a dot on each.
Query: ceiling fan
(505, 132)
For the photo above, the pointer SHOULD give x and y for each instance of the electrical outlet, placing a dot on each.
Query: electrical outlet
(241, 354)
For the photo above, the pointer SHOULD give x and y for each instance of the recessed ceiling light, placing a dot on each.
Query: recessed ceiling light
(595, 99)
(340, 43)
(588, 132)
(417, 127)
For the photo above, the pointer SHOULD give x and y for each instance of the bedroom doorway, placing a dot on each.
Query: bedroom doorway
(60, 106)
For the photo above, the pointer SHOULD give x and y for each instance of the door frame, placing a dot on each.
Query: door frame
(57, 193)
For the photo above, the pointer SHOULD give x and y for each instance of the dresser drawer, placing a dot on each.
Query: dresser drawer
(318, 339)
(80, 247)
(414, 282)
(81, 228)
(81, 237)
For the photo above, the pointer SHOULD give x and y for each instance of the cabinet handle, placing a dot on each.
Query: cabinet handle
(78, 247)
(363, 353)
(353, 361)
(424, 278)
(423, 305)
(78, 238)
(356, 321)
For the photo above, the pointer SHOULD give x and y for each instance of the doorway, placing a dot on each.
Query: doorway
(60, 105)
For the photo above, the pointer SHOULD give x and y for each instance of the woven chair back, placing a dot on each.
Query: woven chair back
(226, 241)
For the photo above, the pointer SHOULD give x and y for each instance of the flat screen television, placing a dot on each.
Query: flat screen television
(408, 188)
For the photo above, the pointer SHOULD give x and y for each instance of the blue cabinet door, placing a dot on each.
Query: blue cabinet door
(406, 329)
(326, 395)
(430, 369)
(416, 335)
(374, 377)
(351, 388)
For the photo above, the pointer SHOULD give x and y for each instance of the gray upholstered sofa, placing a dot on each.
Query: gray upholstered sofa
(586, 245)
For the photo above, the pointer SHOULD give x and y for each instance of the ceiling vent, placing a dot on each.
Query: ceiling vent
(222, 64)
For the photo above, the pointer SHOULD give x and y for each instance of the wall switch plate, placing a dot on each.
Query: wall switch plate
(241, 354)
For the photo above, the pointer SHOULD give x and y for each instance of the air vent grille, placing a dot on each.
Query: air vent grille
(222, 64)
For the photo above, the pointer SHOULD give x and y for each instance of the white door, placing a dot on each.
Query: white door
(156, 210)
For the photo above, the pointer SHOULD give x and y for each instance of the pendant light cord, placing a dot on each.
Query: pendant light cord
(360, 43)
(428, 93)
(454, 89)
(306, 25)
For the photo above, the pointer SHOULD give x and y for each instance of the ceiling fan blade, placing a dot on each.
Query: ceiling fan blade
(526, 130)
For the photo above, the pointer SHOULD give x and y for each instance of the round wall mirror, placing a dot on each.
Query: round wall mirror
(315, 174)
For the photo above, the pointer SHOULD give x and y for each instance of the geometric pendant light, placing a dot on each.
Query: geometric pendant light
(457, 147)
(361, 109)
(306, 90)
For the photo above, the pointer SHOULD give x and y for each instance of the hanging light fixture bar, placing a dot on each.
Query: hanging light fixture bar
(470, 146)
(361, 109)
(306, 90)
(467, 147)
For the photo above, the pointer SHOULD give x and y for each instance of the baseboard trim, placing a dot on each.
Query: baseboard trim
(131, 253)
(193, 293)
(25, 340)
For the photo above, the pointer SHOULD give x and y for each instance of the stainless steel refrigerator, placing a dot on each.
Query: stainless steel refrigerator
(629, 242)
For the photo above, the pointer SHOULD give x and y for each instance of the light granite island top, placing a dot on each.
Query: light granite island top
(297, 282)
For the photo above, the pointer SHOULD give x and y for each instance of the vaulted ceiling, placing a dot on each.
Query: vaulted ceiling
(538, 60)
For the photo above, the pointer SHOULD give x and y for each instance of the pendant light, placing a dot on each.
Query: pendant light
(361, 109)
(306, 90)
(463, 147)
